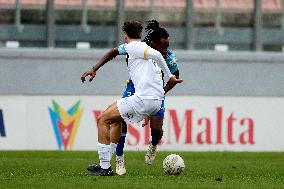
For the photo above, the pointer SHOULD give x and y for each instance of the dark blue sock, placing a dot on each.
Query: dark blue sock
(120, 144)
(155, 140)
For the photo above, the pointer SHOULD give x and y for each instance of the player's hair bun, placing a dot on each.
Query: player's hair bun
(152, 25)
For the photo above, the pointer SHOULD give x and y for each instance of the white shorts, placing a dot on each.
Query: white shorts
(134, 109)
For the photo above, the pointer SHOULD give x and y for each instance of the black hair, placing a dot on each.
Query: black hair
(133, 29)
(154, 32)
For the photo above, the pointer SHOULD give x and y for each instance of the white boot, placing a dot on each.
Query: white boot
(120, 168)
(151, 154)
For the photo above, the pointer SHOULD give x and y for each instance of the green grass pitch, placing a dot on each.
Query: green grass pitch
(52, 169)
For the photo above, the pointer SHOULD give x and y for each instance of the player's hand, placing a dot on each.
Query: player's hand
(174, 80)
(146, 121)
(91, 73)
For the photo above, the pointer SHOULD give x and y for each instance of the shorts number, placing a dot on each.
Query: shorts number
(129, 115)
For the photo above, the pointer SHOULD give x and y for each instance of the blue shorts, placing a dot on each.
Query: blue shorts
(130, 90)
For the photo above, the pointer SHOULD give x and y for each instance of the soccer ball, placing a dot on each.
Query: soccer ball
(173, 164)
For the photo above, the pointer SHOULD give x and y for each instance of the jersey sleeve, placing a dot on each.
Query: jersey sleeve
(150, 53)
(121, 49)
(171, 61)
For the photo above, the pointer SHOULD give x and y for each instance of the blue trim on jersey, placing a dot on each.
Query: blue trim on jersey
(171, 61)
(130, 90)
(121, 49)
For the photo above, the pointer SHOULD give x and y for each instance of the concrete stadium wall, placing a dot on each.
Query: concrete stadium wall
(57, 72)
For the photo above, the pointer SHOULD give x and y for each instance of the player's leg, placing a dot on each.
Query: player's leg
(129, 91)
(109, 117)
(120, 162)
(115, 130)
(124, 109)
(156, 125)
(120, 144)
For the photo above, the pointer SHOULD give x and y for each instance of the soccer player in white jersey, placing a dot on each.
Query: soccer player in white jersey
(158, 38)
(144, 66)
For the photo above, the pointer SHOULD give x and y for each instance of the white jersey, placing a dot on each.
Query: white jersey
(144, 71)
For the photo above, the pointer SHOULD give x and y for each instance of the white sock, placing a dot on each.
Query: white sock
(104, 155)
(112, 148)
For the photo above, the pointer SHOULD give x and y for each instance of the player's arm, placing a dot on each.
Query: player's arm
(173, 66)
(106, 58)
(169, 86)
(150, 53)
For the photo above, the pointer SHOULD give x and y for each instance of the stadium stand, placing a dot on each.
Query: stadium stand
(199, 5)
(236, 20)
